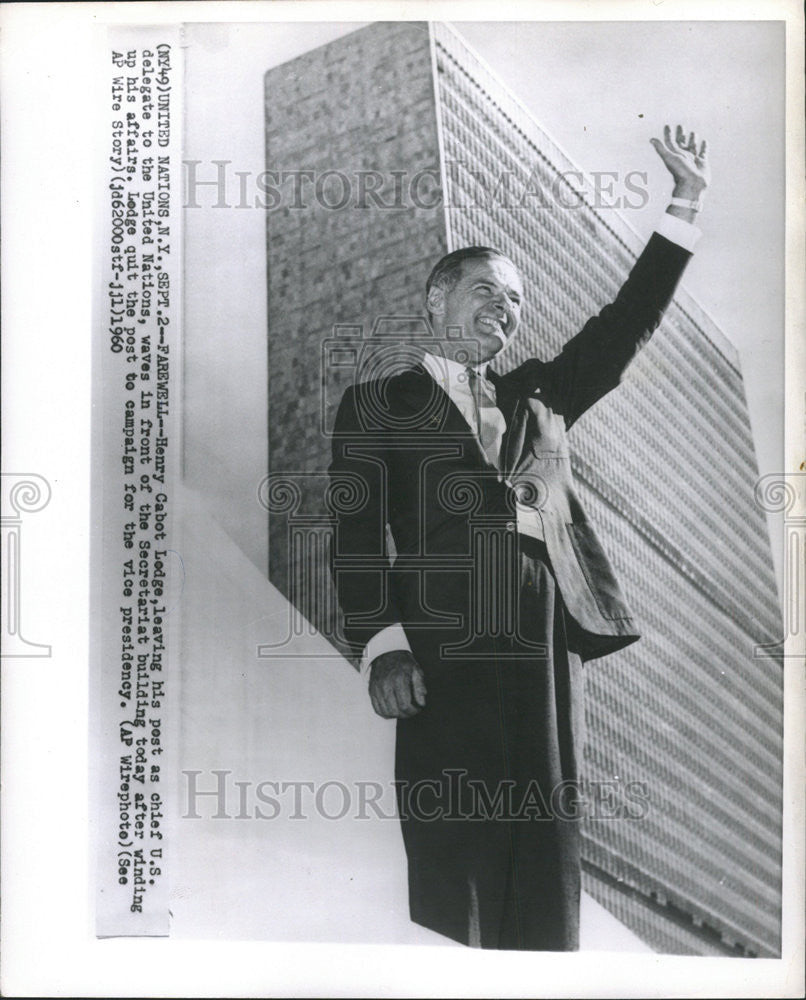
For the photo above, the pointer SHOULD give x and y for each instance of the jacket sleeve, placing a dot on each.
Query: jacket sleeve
(594, 361)
(358, 497)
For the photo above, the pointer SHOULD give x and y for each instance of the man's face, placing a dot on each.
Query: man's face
(485, 303)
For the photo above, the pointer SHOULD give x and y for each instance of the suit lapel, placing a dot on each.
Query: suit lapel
(510, 404)
(419, 391)
(421, 394)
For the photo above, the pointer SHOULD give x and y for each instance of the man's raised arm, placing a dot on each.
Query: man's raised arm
(594, 361)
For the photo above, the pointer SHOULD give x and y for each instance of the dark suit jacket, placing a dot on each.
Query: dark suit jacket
(403, 456)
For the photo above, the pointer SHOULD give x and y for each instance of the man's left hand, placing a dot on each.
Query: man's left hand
(686, 160)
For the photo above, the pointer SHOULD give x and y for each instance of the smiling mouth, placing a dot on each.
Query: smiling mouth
(492, 324)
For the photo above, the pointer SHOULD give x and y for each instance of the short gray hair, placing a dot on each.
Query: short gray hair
(448, 270)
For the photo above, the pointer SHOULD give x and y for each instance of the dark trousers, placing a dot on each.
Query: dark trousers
(488, 775)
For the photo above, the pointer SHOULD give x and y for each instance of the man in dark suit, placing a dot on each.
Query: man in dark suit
(474, 633)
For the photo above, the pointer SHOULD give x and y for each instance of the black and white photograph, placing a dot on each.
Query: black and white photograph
(441, 510)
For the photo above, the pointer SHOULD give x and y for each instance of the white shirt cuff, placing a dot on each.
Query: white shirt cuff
(678, 231)
(386, 641)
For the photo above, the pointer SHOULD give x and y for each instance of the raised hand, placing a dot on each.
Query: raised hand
(686, 160)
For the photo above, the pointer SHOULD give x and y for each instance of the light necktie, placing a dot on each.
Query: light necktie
(491, 427)
(489, 419)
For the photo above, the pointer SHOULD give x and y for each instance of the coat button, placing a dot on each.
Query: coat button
(510, 525)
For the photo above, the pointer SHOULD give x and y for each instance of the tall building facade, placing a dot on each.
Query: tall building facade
(392, 146)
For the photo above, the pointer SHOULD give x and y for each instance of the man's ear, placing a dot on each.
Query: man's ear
(435, 300)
